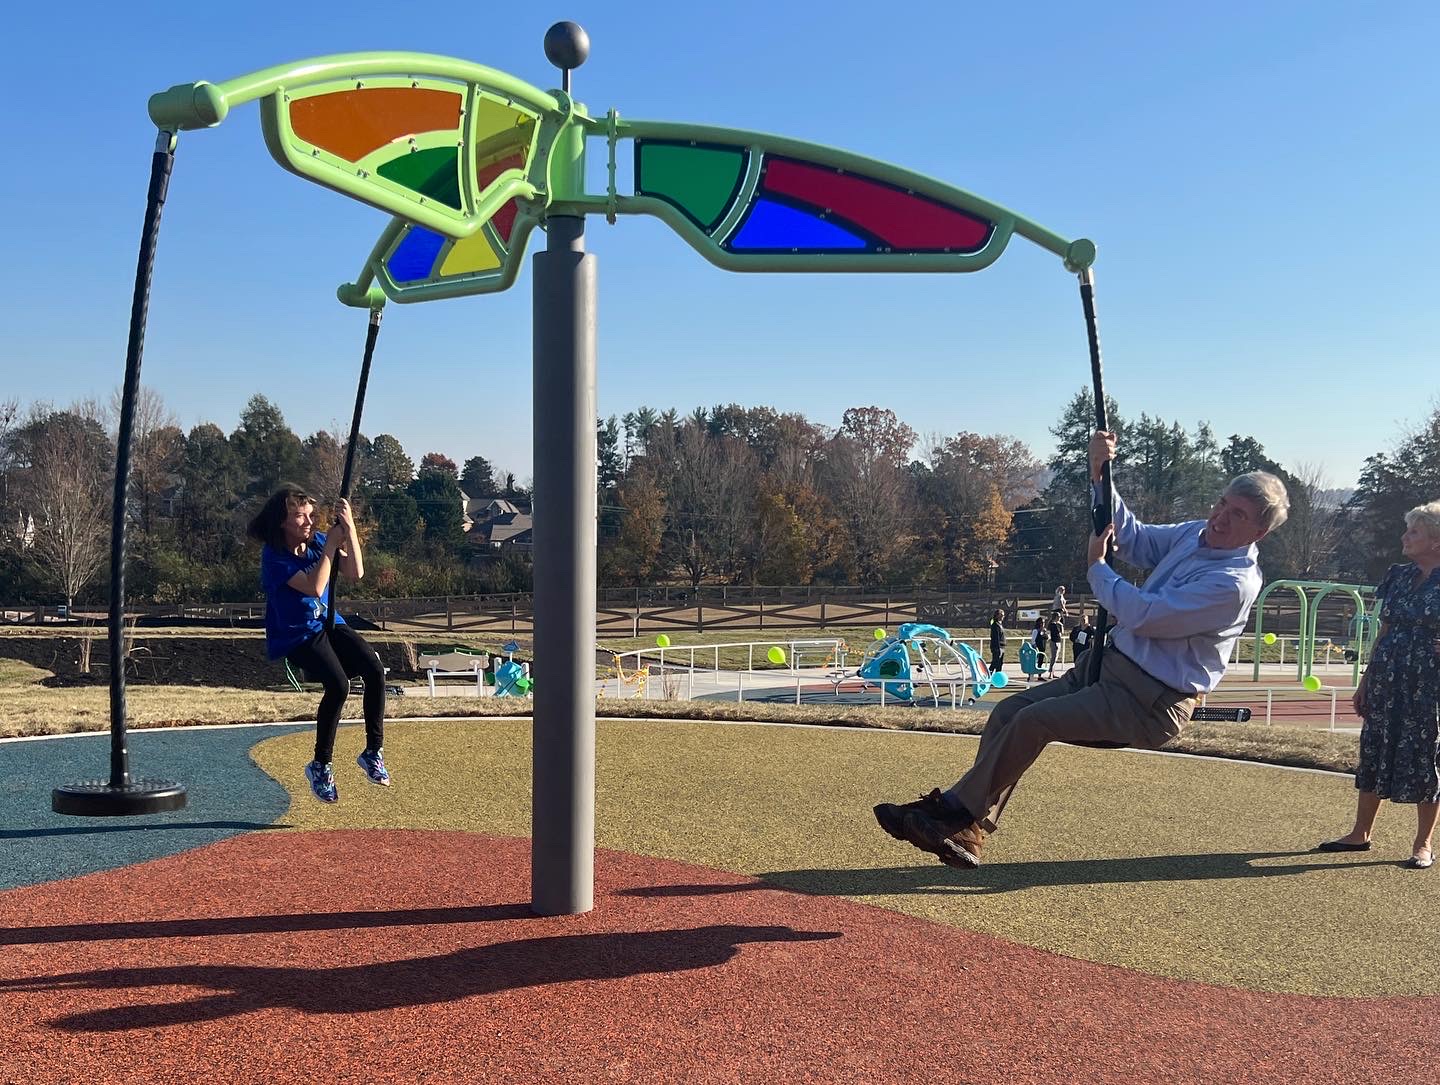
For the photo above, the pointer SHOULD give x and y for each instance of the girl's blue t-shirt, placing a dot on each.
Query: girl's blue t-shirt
(291, 618)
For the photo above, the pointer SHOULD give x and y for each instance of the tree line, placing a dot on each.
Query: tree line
(726, 494)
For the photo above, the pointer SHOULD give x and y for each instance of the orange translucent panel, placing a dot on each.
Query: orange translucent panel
(353, 123)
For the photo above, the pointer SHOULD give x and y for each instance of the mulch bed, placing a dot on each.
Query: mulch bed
(403, 956)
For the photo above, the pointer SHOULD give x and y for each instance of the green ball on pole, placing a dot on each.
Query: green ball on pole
(1268, 638)
(662, 641)
(878, 634)
(776, 655)
(1311, 682)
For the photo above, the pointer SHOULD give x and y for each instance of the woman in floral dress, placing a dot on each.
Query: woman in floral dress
(1399, 697)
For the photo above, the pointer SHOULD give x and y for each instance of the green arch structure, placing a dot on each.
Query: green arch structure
(1366, 622)
(470, 160)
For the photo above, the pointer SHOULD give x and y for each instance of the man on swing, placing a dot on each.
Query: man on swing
(1172, 639)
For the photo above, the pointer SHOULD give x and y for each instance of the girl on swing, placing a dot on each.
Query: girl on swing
(295, 566)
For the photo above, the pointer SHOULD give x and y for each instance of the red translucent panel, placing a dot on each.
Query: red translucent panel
(503, 219)
(902, 221)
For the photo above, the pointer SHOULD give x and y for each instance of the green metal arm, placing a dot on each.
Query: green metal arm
(187, 106)
(1077, 254)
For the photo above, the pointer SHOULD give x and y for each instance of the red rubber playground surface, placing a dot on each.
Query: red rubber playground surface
(398, 956)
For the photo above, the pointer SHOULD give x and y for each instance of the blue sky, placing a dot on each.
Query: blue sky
(1260, 180)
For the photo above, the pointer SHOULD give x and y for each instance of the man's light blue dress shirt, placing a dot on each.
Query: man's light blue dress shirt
(1181, 625)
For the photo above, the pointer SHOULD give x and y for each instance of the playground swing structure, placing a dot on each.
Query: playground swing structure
(469, 161)
(1364, 624)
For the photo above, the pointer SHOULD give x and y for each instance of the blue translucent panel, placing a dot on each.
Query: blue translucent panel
(414, 257)
(772, 225)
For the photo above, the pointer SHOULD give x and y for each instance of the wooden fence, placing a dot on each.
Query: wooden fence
(636, 612)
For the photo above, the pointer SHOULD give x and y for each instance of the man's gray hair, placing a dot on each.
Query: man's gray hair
(1268, 493)
(1426, 517)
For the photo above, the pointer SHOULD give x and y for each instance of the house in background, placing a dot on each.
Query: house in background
(496, 526)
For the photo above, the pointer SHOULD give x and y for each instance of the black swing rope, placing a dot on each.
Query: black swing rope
(371, 334)
(1102, 513)
(123, 794)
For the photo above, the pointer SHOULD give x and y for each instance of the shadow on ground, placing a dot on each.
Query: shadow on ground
(1010, 877)
(388, 985)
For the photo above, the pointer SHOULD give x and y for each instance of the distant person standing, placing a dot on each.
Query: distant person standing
(1040, 637)
(1055, 633)
(1081, 636)
(1059, 603)
(997, 642)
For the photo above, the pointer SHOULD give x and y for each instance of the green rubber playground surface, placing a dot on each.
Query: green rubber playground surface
(1180, 867)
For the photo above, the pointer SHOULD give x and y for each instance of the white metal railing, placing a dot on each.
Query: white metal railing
(705, 659)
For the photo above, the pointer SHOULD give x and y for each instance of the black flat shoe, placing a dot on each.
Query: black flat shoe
(1342, 845)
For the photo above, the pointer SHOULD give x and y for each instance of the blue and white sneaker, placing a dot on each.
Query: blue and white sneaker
(322, 781)
(373, 762)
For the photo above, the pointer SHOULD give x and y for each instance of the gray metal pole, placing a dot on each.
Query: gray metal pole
(562, 819)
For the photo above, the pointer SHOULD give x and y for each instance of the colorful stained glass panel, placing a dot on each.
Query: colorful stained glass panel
(700, 180)
(414, 258)
(433, 173)
(777, 227)
(469, 255)
(354, 123)
(902, 221)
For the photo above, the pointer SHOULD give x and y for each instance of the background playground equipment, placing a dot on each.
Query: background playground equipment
(512, 679)
(922, 653)
(1364, 625)
(1032, 663)
(635, 683)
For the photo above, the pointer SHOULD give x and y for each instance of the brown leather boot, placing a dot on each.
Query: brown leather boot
(931, 825)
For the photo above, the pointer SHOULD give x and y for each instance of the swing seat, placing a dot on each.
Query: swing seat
(299, 678)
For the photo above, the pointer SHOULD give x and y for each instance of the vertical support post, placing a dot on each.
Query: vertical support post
(562, 858)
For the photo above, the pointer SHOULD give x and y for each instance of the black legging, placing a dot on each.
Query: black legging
(333, 659)
(997, 659)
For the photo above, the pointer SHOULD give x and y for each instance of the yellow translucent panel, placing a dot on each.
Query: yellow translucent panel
(470, 254)
(500, 132)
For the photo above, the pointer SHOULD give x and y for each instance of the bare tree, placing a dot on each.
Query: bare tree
(871, 495)
(1309, 537)
(9, 414)
(709, 489)
(70, 472)
(325, 463)
(157, 449)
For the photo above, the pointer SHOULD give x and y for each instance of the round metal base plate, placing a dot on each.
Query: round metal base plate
(97, 799)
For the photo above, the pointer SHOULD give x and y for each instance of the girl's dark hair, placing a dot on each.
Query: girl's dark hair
(997, 616)
(265, 526)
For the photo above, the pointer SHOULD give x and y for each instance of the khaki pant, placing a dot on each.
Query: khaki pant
(1126, 707)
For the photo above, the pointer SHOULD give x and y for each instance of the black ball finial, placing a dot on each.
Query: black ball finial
(567, 45)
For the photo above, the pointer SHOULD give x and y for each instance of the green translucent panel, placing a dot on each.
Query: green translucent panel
(432, 173)
(699, 180)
